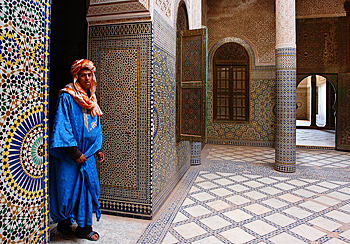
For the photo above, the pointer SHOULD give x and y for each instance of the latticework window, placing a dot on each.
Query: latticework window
(231, 83)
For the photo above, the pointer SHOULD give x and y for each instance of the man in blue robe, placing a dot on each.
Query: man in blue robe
(76, 139)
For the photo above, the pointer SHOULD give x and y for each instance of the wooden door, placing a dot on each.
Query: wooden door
(191, 84)
(343, 113)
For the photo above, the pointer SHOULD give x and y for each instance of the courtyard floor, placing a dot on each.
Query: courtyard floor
(315, 138)
(235, 196)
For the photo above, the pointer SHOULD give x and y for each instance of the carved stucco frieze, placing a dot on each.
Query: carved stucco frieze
(319, 8)
(101, 9)
(285, 23)
(165, 6)
(95, 2)
(318, 44)
(196, 10)
(117, 8)
(253, 21)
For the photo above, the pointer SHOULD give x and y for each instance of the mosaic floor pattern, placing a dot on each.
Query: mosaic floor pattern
(235, 196)
(261, 155)
(228, 201)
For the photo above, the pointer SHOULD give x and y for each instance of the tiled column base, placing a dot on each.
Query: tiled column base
(196, 153)
(285, 145)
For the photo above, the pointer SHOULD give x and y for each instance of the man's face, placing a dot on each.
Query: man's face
(85, 79)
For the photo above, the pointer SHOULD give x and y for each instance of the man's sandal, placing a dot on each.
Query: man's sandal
(88, 236)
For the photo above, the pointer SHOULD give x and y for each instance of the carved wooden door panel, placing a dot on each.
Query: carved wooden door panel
(343, 113)
(191, 84)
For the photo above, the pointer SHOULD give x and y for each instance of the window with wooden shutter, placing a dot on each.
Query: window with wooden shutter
(191, 84)
(231, 83)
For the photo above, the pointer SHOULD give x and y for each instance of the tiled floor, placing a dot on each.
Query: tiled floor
(112, 230)
(235, 196)
(242, 208)
(258, 155)
(317, 138)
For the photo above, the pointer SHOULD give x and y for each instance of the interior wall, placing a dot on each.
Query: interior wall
(323, 47)
(24, 56)
(260, 130)
(303, 99)
(322, 100)
(253, 21)
(123, 56)
(136, 64)
(170, 158)
(302, 103)
(343, 113)
(251, 24)
(319, 8)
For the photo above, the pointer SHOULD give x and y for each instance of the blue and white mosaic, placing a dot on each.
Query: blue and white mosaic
(170, 159)
(235, 202)
(285, 143)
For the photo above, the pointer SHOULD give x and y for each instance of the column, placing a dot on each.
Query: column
(196, 153)
(285, 144)
(313, 101)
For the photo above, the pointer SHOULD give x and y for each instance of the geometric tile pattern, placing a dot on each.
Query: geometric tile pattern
(24, 51)
(191, 111)
(262, 118)
(264, 155)
(164, 34)
(165, 119)
(191, 84)
(191, 58)
(119, 48)
(285, 142)
(120, 123)
(196, 153)
(235, 202)
(170, 159)
(262, 86)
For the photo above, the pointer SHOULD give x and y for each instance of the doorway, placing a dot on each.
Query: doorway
(315, 118)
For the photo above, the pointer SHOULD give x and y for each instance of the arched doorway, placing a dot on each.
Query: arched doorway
(315, 119)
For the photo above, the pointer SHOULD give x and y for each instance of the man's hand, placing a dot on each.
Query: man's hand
(82, 159)
(100, 157)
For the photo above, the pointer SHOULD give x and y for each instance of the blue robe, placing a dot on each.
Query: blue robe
(74, 187)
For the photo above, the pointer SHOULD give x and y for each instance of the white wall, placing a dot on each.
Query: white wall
(322, 100)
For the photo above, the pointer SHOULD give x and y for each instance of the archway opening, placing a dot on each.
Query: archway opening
(315, 118)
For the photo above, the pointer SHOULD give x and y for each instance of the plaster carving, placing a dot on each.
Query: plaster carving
(165, 6)
(285, 23)
(319, 8)
(116, 8)
(252, 20)
(196, 10)
(97, 2)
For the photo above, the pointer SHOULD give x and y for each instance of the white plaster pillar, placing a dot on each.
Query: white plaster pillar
(285, 142)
